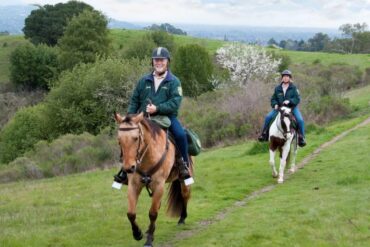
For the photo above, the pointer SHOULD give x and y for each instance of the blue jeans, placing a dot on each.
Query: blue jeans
(297, 114)
(180, 137)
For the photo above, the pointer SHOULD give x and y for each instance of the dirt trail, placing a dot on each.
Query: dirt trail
(204, 224)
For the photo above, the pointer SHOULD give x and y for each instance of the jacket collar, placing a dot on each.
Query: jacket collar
(289, 87)
(169, 77)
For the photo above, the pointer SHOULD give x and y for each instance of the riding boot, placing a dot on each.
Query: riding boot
(184, 170)
(301, 140)
(121, 177)
(264, 136)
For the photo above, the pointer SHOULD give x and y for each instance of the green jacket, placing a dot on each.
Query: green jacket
(167, 99)
(291, 94)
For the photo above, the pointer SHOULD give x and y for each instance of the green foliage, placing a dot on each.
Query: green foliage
(33, 66)
(193, 65)
(285, 60)
(141, 49)
(163, 39)
(85, 38)
(47, 23)
(20, 134)
(85, 98)
(65, 155)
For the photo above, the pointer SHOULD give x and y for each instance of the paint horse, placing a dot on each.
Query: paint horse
(282, 136)
(149, 159)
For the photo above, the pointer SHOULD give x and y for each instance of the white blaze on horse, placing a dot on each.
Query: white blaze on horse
(281, 137)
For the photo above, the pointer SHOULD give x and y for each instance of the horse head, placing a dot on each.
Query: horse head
(131, 140)
(286, 121)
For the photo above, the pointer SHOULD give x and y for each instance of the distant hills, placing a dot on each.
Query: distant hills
(12, 20)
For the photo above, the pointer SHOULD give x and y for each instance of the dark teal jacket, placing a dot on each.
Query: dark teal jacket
(291, 94)
(167, 99)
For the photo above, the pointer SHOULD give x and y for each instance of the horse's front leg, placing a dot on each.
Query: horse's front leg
(285, 152)
(272, 163)
(153, 213)
(133, 194)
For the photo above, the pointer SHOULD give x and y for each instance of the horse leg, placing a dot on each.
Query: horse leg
(133, 195)
(272, 163)
(292, 166)
(185, 193)
(285, 152)
(153, 213)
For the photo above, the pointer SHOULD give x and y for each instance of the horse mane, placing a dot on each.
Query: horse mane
(153, 128)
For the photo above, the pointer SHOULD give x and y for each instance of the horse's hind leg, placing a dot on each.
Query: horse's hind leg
(292, 166)
(185, 193)
(133, 195)
(272, 163)
(153, 213)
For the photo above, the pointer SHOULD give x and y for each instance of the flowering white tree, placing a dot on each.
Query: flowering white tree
(246, 63)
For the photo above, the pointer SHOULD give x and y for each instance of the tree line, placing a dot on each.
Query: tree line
(355, 38)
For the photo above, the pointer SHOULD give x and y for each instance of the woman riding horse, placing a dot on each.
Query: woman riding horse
(285, 94)
(160, 93)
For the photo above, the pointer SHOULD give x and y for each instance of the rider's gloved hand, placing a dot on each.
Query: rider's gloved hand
(286, 102)
(276, 107)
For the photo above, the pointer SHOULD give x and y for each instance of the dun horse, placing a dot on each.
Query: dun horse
(149, 159)
(281, 136)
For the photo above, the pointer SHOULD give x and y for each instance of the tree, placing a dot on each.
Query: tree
(47, 23)
(163, 39)
(272, 41)
(318, 42)
(350, 31)
(193, 65)
(85, 38)
(33, 66)
(167, 28)
(246, 63)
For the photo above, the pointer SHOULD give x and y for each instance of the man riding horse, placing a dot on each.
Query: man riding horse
(285, 94)
(160, 93)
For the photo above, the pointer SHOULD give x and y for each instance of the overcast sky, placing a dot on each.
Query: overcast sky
(309, 13)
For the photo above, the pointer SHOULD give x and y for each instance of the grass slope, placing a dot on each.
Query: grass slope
(82, 209)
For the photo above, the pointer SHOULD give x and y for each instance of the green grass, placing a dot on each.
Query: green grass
(301, 57)
(325, 204)
(82, 209)
(359, 97)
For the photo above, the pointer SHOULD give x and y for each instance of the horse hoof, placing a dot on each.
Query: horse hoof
(181, 222)
(274, 175)
(138, 236)
(148, 245)
(280, 181)
(292, 170)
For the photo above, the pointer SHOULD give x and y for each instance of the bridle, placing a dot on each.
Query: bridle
(140, 153)
(282, 123)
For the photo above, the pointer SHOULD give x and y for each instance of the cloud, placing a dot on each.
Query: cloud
(310, 13)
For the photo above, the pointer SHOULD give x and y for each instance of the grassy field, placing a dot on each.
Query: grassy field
(82, 209)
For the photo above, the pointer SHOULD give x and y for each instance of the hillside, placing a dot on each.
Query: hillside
(324, 203)
(123, 38)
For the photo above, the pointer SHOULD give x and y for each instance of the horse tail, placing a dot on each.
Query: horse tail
(175, 200)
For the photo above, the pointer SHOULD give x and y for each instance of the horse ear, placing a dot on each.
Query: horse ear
(118, 117)
(138, 118)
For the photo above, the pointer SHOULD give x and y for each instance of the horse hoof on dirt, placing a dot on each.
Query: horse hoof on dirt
(138, 235)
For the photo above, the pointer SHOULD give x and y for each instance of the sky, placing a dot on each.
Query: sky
(281, 13)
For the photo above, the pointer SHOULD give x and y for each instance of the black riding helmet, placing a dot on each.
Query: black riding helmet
(161, 52)
(286, 72)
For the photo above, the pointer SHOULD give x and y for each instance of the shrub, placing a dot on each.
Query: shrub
(193, 65)
(33, 66)
(27, 127)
